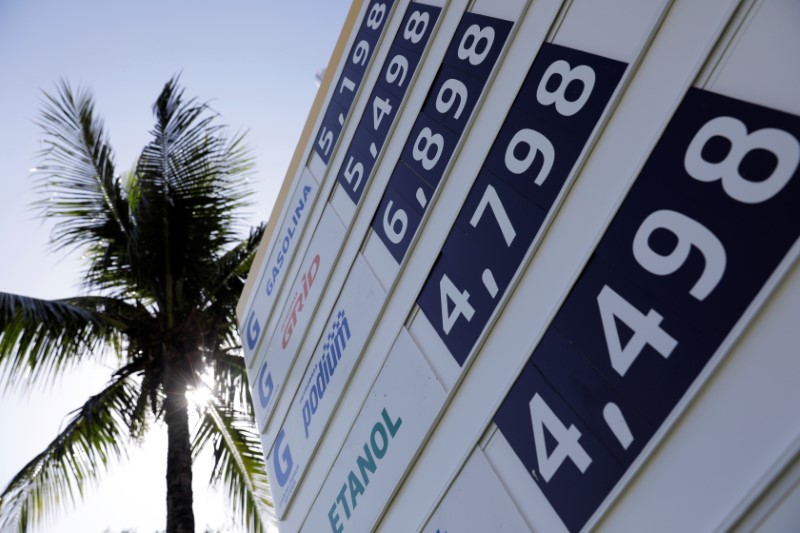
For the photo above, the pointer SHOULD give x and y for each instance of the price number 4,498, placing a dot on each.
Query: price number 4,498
(687, 234)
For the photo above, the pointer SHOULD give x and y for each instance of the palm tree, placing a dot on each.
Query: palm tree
(166, 264)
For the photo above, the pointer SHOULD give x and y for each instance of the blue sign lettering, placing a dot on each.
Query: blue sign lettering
(265, 386)
(282, 474)
(375, 449)
(253, 330)
(331, 355)
(287, 239)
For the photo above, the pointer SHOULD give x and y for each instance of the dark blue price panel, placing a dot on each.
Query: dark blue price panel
(398, 70)
(398, 221)
(412, 188)
(417, 26)
(381, 110)
(431, 150)
(456, 96)
(384, 103)
(358, 163)
(602, 316)
(331, 128)
(612, 417)
(569, 464)
(555, 112)
(708, 220)
(345, 91)
(558, 107)
(477, 44)
(357, 60)
(447, 304)
(713, 212)
(470, 58)
(484, 249)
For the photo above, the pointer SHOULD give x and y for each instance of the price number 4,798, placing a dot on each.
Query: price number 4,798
(519, 157)
(526, 169)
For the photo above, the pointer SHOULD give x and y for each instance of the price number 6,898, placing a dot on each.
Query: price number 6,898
(467, 64)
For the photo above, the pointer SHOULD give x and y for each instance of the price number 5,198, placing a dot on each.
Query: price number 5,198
(350, 79)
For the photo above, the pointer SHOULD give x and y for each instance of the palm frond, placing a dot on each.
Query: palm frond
(235, 264)
(39, 338)
(77, 174)
(230, 374)
(192, 182)
(93, 438)
(238, 463)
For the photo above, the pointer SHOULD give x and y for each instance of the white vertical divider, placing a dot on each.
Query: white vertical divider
(645, 106)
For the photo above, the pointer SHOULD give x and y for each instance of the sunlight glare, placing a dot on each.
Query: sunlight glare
(201, 395)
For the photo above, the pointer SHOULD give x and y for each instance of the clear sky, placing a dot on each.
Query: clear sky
(254, 60)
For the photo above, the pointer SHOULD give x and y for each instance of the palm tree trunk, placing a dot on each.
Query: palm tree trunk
(180, 517)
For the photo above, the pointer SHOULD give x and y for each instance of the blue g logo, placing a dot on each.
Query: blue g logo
(282, 474)
(265, 386)
(253, 330)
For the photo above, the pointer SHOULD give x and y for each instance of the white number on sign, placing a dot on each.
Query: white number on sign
(398, 68)
(531, 143)
(395, 227)
(645, 329)
(416, 26)
(448, 292)
(475, 39)
(422, 148)
(491, 199)
(567, 438)
(451, 90)
(779, 143)
(361, 53)
(325, 140)
(566, 76)
(376, 15)
(380, 108)
(348, 84)
(352, 171)
(689, 233)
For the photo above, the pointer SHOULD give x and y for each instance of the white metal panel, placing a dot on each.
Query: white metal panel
(343, 206)
(555, 266)
(775, 509)
(528, 497)
(326, 377)
(271, 277)
(671, 64)
(626, 26)
(509, 9)
(385, 436)
(476, 501)
(316, 166)
(381, 261)
(761, 66)
(442, 363)
(282, 350)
